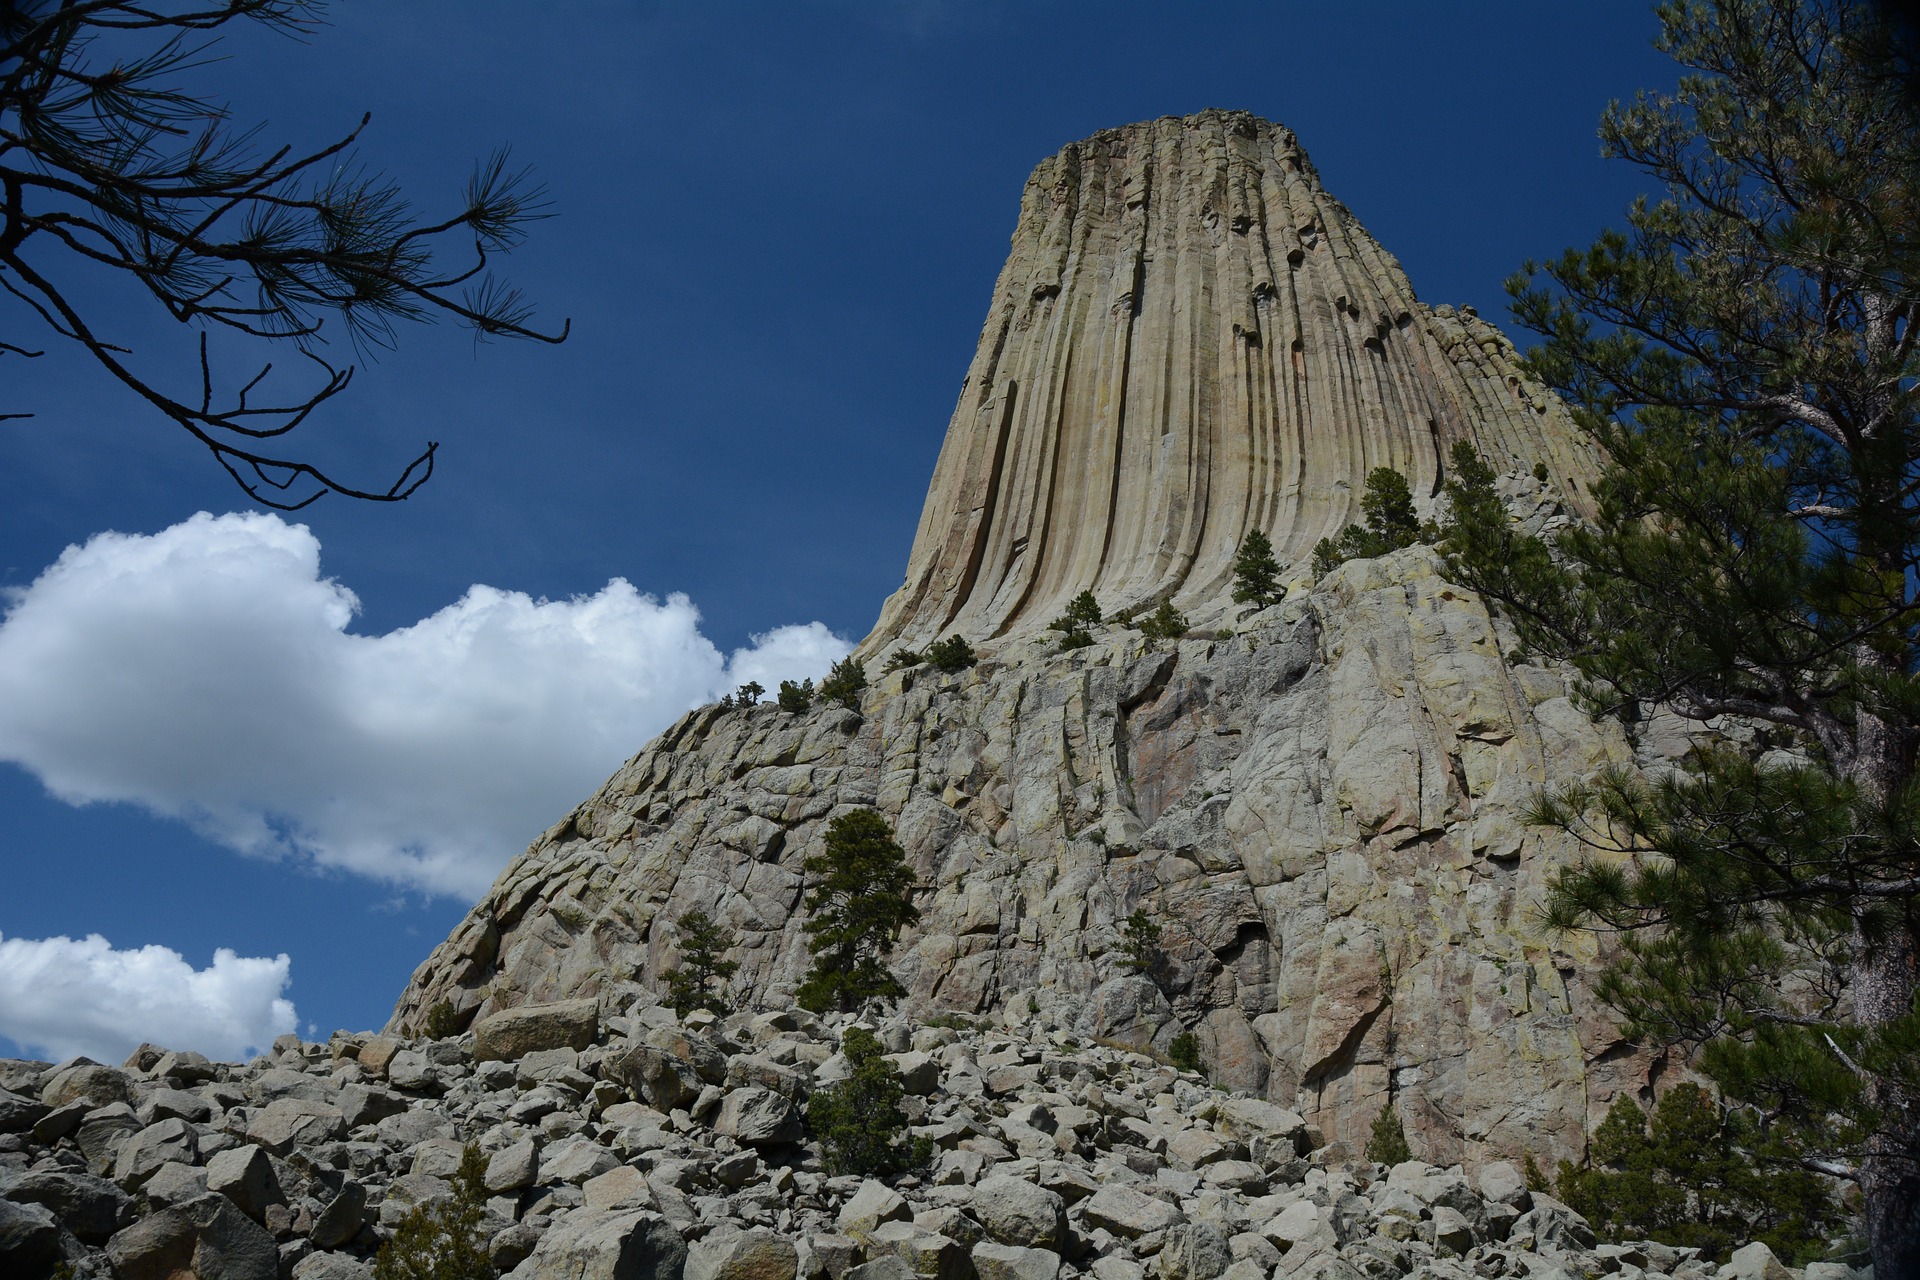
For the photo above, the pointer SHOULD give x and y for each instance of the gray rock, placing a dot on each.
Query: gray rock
(405, 1193)
(29, 1238)
(413, 1127)
(208, 1238)
(341, 1220)
(919, 1072)
(873, 1204)
(930, 1254)
(511, 1246)
(634, 1245)
(514, 1033)
(1017, 1212)
(61, 1121)
(84, 1080)
(622, 1187)
(1754, 1262)
(174, 1104)
(742, 1255)
(575, 1160)
(174, 1184)
(331, 1266)
(993, 1261)
(758, 1117)
(1501, 1183)
(245, 1176)
(666, 1082)
(1193, 1251)
(364, 1104)
(512, 1168)
(888, 1267)
(102, 1133)
(1126, 1212)
(142, 1154)
(285, 1123)
(90, 1207)
(19, 1114)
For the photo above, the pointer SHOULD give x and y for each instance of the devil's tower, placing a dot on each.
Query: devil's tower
(1322, 802)
(1190, 340)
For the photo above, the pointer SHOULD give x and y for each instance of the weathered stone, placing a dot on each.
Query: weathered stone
(87, 1081)
(993, 1261)
(758, 1117)
(245, 1176)
(18, 1114)
(665, 1081)
(873, 1204)
(1501, 1183)
(29, 1238)
(742, 1255)
(1754, 1262)
(630, 1245)
(511, 1168)
(513, 1033)
(102, 1133)
(1017, 1212)
(929, 1254)
(622, 1187)
(575, 1160)
(1193, 1251)
(90, 1207)
(207, 1238)
(142, 1154)
(1126, 1212)
(331, 1266)
(340, 1221)
(286, 1123)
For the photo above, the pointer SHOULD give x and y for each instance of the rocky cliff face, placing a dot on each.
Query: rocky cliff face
(1320, 802)
(1190, 340)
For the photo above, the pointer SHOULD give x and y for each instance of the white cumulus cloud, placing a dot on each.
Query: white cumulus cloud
(64, 996)
(208, 673)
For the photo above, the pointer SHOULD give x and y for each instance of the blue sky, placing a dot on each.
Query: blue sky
(776, 227)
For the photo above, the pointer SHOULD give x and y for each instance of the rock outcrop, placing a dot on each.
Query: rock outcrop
(1322, 810)
(1320, 802)
(1190, 340)
(1051, 1158)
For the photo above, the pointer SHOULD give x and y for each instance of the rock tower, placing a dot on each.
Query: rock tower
(1191, 340)
(1321, 802)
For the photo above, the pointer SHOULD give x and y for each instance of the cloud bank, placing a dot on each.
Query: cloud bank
(207, 673)
(62, 997)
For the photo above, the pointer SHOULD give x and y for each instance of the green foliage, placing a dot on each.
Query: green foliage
(1164, 623)
(1697, 1176)
(844, 683)
(1082, 615)
(443, 1239)
(901, 659)
(1184, 1051)
(951, 654)
(1387, 506)
(1535, 1177)
(1753, 554)
(748, 694)
(1387, 1143)
(1140, 944)
(443, 1023)
(859, 896)
(858, 1121)
(795, 698)
(1256, 574)
(702, 944)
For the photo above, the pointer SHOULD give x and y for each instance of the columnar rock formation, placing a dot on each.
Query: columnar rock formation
(1190, 340)
(1321, 802)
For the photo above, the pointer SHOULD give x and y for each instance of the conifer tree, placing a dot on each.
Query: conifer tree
(1082, 615)
(858, 893)
(702, 943)
(858, 1120)
(1256, 574)
(1164, 623)
(1386, 503)
(1745, 353)
(443, 1238)
(844, 683)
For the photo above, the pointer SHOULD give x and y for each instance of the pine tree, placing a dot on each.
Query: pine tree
(444, 1238)
(1164, 623)
(795, 698)
(858, 1120)
(1386, 503)
(844, 683)
(1256, 574)
(1697, 1177)
(858, 893)
(951, 654)
(1082, 615)
(702, 943)
(1387, 1141)
(1140, 943)
(1745, 352)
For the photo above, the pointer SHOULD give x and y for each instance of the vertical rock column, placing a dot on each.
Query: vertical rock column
(1191, 340)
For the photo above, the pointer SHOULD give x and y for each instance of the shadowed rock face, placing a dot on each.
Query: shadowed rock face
(1190, 340)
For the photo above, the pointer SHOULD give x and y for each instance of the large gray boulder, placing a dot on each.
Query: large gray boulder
(84, 1080)
(207, 1238)
(245, 1176)
(142, 1155)
(92, 1208)
(1193, 1251)
(742, 1255)
(1015, 1211)
(635, 1245)
(992, 1261)
(1126, 1212)
(758, 1117)
(29, 1238)
(512, 1034)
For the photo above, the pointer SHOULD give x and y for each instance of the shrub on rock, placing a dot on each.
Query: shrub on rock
(858, 1121)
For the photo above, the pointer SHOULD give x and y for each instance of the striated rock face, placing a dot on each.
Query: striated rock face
(1322, 810)
(1190, 340)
